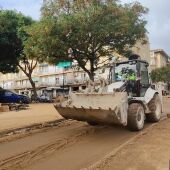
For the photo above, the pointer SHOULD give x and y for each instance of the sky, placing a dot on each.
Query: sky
(27, 7)
(158, 18)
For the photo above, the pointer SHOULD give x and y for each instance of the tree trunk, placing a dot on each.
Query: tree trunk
(91, 76)
(33, 87)
(91, 72)
(28, 68)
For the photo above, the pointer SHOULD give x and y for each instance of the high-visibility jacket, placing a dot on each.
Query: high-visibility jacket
(131, 77)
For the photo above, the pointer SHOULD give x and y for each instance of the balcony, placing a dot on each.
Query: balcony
(76, 81)
(68, 81)
(46, 84)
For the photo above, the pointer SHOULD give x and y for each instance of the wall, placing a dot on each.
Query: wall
(143, 50)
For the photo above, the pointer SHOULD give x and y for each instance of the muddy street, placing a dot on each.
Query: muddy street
(71, 145)
(74, 145)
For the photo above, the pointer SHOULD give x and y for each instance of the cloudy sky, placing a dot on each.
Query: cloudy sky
(158, 18)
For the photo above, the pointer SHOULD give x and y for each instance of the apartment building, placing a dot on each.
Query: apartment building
(159, 58)
(49, 78)
(52, 79)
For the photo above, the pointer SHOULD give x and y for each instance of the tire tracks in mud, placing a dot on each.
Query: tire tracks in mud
(28, 158)
(106, 160)
(14, 134)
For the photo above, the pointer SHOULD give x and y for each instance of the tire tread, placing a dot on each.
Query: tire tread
(132, 124)
(152, 117)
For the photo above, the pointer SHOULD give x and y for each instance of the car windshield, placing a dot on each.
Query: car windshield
(122, 71)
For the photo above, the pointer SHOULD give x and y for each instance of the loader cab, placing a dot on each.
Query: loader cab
(134, 73)
(143, 74)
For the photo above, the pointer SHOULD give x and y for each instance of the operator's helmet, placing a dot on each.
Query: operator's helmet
(131, 71)
(134, 57)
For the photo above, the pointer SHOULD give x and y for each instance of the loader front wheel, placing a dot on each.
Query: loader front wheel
(155, 108)
(136, 117)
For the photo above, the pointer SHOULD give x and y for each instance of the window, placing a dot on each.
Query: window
(123, 70)
(83, 76)
(76, 74)
(8, 93)
(144, 74)
(43, 69)
(57, 80)
(101, 71)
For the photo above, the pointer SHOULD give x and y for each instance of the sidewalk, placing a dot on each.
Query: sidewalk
(37, 113)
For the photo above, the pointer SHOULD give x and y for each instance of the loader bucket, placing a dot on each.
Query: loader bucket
(110, 108)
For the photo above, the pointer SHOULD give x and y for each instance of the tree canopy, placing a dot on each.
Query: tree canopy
(161, 75)
(86, 31)
(13, 45)
(12, 36)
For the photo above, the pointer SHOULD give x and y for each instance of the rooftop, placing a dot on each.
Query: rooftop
(161, 51)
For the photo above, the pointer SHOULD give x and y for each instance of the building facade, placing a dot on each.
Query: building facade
(159, 58)
(49, 78)
(143, 49)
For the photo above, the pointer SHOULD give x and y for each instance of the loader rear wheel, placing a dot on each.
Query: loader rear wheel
(136, 117)
(155, 108)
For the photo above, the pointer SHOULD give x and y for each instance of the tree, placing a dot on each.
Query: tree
(13, 38)
(161, 75)
(9, 42)
(87, 30)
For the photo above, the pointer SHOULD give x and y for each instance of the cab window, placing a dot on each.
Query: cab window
(144, 74)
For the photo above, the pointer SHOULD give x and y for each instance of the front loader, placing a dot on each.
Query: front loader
(127, 98)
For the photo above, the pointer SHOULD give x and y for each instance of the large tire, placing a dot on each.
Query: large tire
(155, 107)
(136, 117)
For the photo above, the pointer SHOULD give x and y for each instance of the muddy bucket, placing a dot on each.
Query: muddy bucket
(109, 108)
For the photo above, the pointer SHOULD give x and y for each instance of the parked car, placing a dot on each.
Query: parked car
(41, 99)
(45, 99)
(7, 96)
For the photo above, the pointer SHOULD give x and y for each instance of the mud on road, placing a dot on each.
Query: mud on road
(151, 151)
(72, 145)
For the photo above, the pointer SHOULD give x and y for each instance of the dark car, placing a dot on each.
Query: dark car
(42, 99)
(7, 96)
